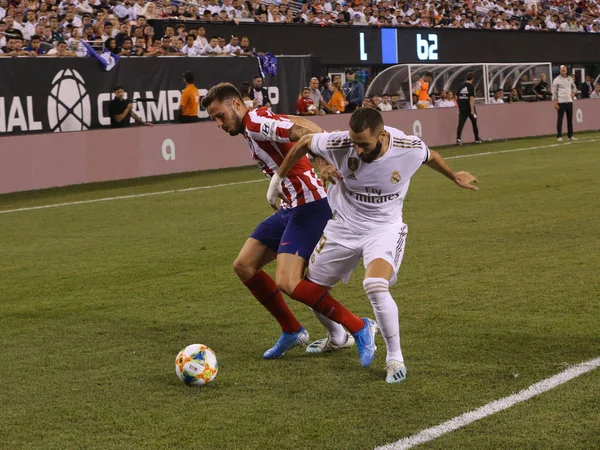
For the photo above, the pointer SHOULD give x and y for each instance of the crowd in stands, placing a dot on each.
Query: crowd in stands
(38, 26)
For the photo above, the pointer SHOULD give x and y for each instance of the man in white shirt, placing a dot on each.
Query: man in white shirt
(125, 11)
(443, 101)
(385, 104)
(201, 40)
(596, 93)
(497, 98)
(190, 48)
(374, 166)
(563, 93)
(212, 49)
(233, 48)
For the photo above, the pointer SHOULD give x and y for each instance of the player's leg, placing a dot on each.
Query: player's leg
(569, 112)
(331, 262)
(302, 233)
(462, 118)
(382, 256)
(475, 128)
(259, 250)
(559, 120)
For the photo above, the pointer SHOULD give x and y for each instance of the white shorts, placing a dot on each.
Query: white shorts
(339, 251)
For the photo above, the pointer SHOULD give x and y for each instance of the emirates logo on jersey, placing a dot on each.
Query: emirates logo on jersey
(395, 179)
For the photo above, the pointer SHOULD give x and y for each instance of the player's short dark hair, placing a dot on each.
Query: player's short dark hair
(428, 74)
(470, 76)
(366, 119)
(118, 87)
(220, 93)
(257, 76)
(188, 76)
(35, 37)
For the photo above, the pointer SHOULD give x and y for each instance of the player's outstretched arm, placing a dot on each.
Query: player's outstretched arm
(301, 148)
(462, 179)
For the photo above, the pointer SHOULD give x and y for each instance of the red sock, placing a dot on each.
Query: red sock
(319, 299)
(266, 292)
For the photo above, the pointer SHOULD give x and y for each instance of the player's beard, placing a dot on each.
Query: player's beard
(372, 156)
(237, 124)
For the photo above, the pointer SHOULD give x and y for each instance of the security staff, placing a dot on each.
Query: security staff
(121, 110)
(466, 108)
(190, 100)
(563, 92)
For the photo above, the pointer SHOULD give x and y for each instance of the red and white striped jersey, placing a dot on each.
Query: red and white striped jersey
(268, 136)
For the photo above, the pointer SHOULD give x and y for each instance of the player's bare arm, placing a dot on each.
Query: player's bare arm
(462, 179)
(301, 148)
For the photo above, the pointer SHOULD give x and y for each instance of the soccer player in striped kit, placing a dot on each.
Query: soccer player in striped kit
(291, 233)
(375, 164)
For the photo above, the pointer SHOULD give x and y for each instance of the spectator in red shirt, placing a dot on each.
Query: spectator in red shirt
(305, 105)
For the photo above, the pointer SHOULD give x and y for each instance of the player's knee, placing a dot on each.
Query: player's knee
(243, 270)
(286, 283)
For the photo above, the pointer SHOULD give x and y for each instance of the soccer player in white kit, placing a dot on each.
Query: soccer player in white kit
(374, 164)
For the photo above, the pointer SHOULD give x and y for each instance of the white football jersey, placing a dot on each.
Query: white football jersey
(370, 194)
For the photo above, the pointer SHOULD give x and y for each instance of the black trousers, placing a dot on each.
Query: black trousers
(462, 118)
(189, 119)
(562, 109)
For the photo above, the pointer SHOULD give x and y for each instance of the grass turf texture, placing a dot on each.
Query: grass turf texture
(498, 290)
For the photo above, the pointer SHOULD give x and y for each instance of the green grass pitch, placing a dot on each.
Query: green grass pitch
(498, 290)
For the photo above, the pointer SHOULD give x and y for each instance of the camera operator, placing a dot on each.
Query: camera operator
(120, 110)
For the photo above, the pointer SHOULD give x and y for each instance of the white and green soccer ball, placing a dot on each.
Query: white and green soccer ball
(196, 365)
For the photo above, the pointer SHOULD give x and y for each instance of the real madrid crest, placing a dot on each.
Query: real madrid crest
(353, 163)
(395, 177)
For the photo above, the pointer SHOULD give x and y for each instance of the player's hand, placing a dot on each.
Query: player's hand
(466, 180)
(556, 107)
(327, 172)
(275, 191)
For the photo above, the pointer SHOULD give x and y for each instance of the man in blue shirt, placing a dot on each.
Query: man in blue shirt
(354, 90)
(35, 47)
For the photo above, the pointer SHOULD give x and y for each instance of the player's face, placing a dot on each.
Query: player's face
(368, 144)
(119, 94)
(228, 115)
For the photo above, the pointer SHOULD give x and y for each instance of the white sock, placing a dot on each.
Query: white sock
(336, 331)
(386, 313)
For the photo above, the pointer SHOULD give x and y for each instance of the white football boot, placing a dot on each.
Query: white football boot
(325, 345)
(396, 371)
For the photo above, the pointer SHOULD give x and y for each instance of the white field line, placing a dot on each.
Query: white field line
(175, 191)
(491, 408)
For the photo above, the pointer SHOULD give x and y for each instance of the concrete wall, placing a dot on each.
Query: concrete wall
(42, 161)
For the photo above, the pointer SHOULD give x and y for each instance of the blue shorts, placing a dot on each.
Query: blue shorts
(296, 230)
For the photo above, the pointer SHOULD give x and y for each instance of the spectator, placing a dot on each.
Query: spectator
(233, 48)
(443, 101)
(140, 48)
(515, 96)
(245, 88)
(61, 50)
(212, 49)
(326, 89)
(368, 103)
(337, 103)
(452, 98)
(385, 104)
(354, 91)
(10, 29)
(394, 100)
(497, 98)
(35, 46)
(201, 40)
(316, 96)
(149, 36)
(258, 93)
(376, 99)
(245, 46)
(305, 105)
(150, 11)
(75, 45)
(587, 87)
(596, 93)
(190, 48)
(541, 89)
(127, 48)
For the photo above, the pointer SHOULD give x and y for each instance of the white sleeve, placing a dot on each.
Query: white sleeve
(331, 145)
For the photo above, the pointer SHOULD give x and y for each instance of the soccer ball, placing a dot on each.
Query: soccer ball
(196, 365)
